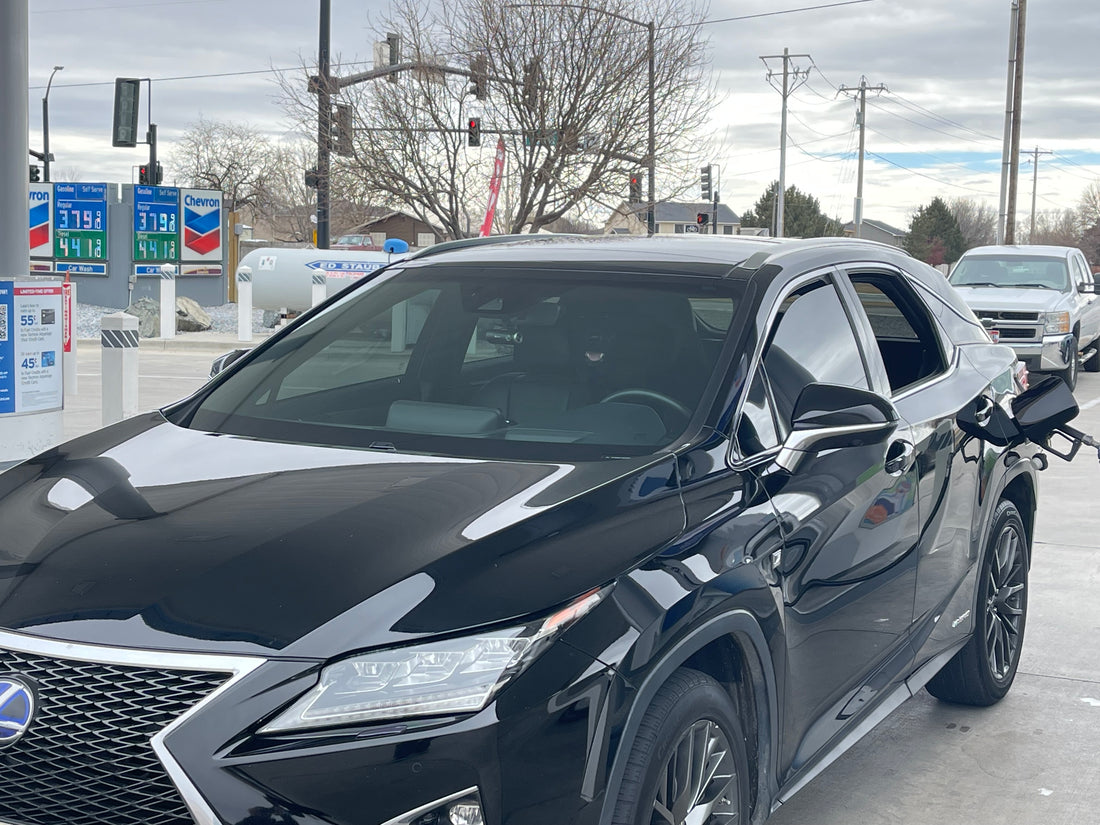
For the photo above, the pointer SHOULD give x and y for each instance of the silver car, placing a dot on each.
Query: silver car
(1040, 300)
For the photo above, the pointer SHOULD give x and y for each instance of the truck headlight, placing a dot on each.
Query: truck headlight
(443, 677)
(1056, 322)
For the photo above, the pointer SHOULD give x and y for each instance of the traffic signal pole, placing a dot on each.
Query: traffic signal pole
(324, 126)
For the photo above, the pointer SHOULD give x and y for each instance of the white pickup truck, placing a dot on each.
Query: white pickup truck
(1040, 300)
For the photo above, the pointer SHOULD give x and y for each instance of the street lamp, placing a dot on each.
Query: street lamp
(651, 152)
(46, 127)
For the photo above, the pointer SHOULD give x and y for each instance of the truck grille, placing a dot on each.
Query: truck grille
(86, 757)
(1017, 333)
(1026, 317)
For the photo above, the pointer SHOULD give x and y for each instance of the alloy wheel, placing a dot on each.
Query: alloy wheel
(699, 783)
(1005, 603)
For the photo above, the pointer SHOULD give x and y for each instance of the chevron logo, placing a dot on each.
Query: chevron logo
(40, 225)
(202, 230)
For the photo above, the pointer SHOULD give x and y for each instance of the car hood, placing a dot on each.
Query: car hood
(149, 535)
(1006, 298)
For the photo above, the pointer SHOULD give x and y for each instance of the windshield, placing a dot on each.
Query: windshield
(479, 363)
(1015, 271)
(351, 240)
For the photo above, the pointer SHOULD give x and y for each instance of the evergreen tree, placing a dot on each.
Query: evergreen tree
(934, 235)
(802, 215)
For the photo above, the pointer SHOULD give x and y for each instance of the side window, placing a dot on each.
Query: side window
(904, 332)
(1081, 273)
(812, 342)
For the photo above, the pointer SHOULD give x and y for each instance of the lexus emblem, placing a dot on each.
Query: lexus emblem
(16, 709)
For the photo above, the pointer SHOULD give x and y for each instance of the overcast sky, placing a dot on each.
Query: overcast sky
(936, 132)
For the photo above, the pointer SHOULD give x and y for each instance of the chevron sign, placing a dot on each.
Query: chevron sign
(41, 208)
(202, 225)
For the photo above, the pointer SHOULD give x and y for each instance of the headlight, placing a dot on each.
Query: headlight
(1056, 322)
(451, 676)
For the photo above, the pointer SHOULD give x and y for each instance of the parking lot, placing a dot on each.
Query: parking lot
(1031, 760)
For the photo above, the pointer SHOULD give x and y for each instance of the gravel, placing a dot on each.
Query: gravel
(223, 318)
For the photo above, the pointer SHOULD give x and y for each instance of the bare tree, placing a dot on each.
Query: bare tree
(1088, 210)
(1057, 227)
(234, 158)
(568, 95)
(977, 221)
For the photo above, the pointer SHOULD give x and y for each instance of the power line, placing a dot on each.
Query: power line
(942, 160)
(928, 112)
(930, 128)
(929, 177)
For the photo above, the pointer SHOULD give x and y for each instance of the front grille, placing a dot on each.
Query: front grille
(1008, 315)
(1017, 333)
(86, 757)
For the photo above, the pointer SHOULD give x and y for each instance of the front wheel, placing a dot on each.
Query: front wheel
(982, 672)
(687, 765)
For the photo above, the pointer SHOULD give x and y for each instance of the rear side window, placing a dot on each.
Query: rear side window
(904, 333)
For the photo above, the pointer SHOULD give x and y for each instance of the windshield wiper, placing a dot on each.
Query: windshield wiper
(1034, 286)
(980, 283)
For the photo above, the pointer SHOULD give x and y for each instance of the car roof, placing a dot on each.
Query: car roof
(1020, 250)
(741, 254)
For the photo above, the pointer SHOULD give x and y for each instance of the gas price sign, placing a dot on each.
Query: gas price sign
(80, 221)
(156, 223)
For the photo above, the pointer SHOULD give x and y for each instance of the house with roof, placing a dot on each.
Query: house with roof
(672, 218)
(396, 224)
(876, 231)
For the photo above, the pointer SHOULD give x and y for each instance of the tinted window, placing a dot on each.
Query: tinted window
(904, 333)
(756, 430)
(812, 342)
(476, 363)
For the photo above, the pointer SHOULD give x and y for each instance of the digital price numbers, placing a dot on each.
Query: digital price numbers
(80, 221)
(156, 223)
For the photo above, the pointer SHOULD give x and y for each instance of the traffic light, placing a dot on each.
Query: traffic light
(704, 180)
(473, 131)
(342, 130)
(636, 187)
(35, 176)
(479, 76)
(702, 218)
(146, 179)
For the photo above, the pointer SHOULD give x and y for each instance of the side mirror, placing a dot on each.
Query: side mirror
(829, 417)
(1086, 288)
(222, 361)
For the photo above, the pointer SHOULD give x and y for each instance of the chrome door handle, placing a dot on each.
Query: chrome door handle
(899, 458)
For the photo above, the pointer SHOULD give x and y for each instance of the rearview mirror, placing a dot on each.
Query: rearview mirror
(829, 417)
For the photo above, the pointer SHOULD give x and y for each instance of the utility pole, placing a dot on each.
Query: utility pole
(324, 125)
(1006, 147)
(861, 90)
(792, 79)
(1017, 103)
(46, 156)
(1034, 186)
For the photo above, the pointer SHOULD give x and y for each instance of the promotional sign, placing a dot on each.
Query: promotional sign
(494, 189)
(188, 270)
(41, 220)
(80, 221)
(202, 225)
(156, 223)
(31, 342)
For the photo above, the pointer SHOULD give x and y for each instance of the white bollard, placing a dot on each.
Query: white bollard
(118, 333)
(320, 288)
(244, 303)
(168, 301)
(68, 355)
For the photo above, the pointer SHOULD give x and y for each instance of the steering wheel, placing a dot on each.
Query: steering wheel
(680, 414)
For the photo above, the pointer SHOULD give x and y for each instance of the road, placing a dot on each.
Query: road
(1030, 760)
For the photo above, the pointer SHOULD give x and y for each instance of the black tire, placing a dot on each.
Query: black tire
(1069, 374)
(691, 716)
(982, 672)
(1093, 363)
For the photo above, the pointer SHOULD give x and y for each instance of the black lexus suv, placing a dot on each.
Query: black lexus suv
(534, 533)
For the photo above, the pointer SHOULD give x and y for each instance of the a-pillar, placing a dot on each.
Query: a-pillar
(119, 337)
